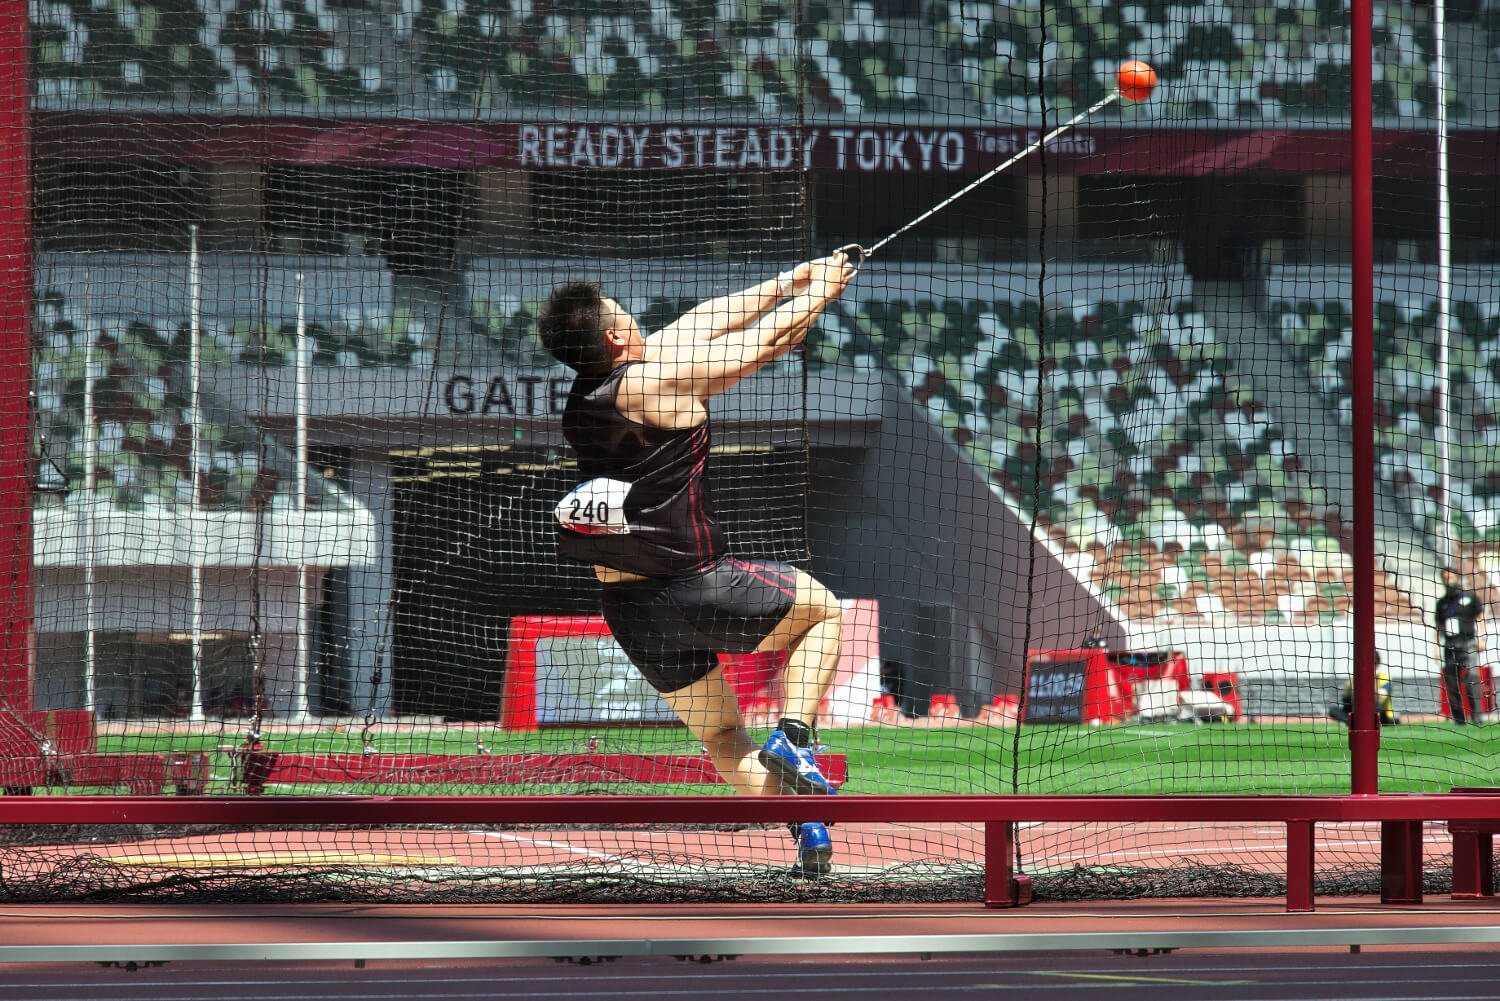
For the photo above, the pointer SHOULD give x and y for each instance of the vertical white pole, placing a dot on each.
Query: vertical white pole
(195, 460)
(299, 683)
(91, 498)
(1445, 280)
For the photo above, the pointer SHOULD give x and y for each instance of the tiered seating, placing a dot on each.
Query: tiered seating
(143, 441)
(494, 52)
(1155, 464)
(1303, 56)
(764, 68)
(480, 54)
(736, 53)
(1293, 57)
(357, 339)
(864, 67)
(85, 51)
(1009, 60)
(141, 400)
(298, 51)
(235, 52)
(353, 319)
(1216, 59)
(1406, 386)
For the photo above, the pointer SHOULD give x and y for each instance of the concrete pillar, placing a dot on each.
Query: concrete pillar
(1327, 200)
(503, 202)
(369, 595)
(1051, 207)
(235, 201)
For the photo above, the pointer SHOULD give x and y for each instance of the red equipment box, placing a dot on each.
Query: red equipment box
(1486, 694)
(1094, 686)
(1226, 686)
(67, 731)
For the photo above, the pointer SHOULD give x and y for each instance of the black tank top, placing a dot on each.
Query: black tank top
(669, 524)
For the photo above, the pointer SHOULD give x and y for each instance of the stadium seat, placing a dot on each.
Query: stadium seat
(1221, 61)
(1152, 453)
(143, 440)
(1405, 386)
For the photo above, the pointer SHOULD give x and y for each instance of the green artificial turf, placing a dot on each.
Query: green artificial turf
(1299, 758)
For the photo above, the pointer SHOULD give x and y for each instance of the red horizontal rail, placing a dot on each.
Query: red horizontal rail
(145, 774)
(509, 769)
(615, 810)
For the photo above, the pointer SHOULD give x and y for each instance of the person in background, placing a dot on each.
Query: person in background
(1456, 618)
(1385, 708)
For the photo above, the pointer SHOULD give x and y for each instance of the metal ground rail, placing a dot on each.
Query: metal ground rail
(1400, 815)
(707, 949)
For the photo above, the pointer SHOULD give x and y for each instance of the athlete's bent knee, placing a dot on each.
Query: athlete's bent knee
(720, 734)
(816, 602)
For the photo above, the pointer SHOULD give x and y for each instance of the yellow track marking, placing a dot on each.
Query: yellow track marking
(1133, 979)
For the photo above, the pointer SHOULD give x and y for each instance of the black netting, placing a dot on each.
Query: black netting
(1075, 451)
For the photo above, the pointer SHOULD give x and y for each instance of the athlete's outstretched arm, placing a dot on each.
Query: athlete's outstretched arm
(714, 318)
(711, 367)
(679, 373)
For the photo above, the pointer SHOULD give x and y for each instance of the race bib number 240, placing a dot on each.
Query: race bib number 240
(596, 507)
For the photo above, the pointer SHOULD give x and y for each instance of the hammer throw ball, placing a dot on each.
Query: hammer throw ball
(1136, 79)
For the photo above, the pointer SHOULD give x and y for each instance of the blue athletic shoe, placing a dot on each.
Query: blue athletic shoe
(795, 766)
(814, 850)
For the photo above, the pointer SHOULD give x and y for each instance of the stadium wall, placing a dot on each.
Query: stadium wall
(1280, 667)
(943, 539)
(154, 607)
(875, 528)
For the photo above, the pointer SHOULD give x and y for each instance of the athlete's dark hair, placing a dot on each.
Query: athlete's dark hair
(572, 326)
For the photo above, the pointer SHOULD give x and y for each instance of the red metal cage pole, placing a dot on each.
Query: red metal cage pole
(15, 358)
(1364, 732)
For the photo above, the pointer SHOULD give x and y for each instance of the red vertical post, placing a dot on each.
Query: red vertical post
(1401, 862)
(1473, 863)
(15, 358)
(1300, 846)
(997, 851)
(1472, 855)
(1364, 732)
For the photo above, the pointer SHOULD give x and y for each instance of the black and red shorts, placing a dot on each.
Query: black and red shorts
(673, 630)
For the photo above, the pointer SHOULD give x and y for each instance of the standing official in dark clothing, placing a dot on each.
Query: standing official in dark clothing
(1457, 620)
